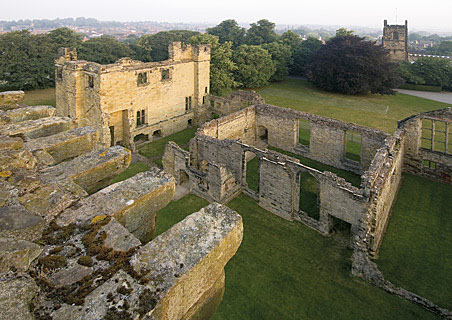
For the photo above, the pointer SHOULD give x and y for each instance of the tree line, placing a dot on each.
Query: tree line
(240, 58)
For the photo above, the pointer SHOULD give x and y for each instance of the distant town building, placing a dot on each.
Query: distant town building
(395, 39)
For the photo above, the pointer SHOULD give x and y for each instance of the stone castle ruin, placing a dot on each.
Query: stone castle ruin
(129, 100)
(215, 168)
(75, 246)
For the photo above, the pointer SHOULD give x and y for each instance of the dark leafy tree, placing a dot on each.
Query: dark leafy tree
(428, 71)
(104, 50)
(26, 61)
(155, 46)
(254, 66)
(221, 64)
(351, 65)
(229, 30)
(291, 39)
(303, 54)
(261, 32)
(65, 37)
(282, 59)
(343, 32)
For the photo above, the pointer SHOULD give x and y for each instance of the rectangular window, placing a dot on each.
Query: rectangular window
(189, 103)
(138, 118)
(165, 74)
(353, 146)
(204, 100)
(90, 81)
(304, 132)
(142, 78)
(206, 90)
(143, 117)
(439, 136)
(427, 134)
(429, 164)
(186, 103)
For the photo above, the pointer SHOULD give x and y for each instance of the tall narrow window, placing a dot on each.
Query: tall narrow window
(353, 146)
(165, 74)
(304, 132)
(439, 136)
(138, 118)
(189, 103)
(427, 134)
(186, 103)
(90, 81)
(143, 117)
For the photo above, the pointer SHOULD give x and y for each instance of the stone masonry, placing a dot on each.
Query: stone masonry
(74, 246)
(129, 100)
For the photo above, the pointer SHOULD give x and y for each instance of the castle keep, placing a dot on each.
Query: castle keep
(131, 100)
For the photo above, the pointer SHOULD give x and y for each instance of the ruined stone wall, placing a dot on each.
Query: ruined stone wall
(430, 163)
(115, 96)
(234, 102)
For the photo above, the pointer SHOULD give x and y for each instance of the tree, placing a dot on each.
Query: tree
(282, 59)
(229, 30)
(254, 66)
(104, 50)
(290, 39)
(261, 32)
(303, 54)
(159, 42)
(221, 64)
(26, 61)
(429, 71)
(65, 38)
(350, 65)
(342, 32)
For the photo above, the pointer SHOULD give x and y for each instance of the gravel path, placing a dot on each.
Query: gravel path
(445, 97)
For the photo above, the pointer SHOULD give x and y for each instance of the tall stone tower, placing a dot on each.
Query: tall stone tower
(395, 39)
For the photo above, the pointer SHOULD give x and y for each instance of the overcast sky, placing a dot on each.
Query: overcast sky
(432, 15)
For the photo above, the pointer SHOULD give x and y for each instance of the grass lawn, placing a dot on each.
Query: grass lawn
(40, 97)
(132, 170)
(416, 252)
(370, 110)
(285, 270)
(156, 148)
(176, 211)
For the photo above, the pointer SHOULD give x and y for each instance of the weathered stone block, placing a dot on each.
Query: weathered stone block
(10, 143)
(12, 160)
(117, 237)
(17, 254)
(185, 270)
(15, 297)
(90, 171)
(10, 98)
(29, 113)
(16, 222)
(132, 202)
(65, 145)
(33, 129)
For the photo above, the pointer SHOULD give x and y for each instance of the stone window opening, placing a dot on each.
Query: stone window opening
(395, 35)
(206, 90)
(141, 137)
(304, 132)
(436, 135)
(141, 118)
(190, 122)
(90, 81)
(309, 195)
(142, 78)
(157, 134)
(165, 74)
(429, 164)
(188, 103)
(251, 165)
(263, 133)
(353, 146)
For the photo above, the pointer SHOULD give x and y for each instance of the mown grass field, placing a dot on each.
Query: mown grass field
(375, 111)
(416, 252)
(132, 170)
(285, 270)
(40, 97)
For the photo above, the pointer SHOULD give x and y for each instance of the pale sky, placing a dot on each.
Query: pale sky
(425, 15)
